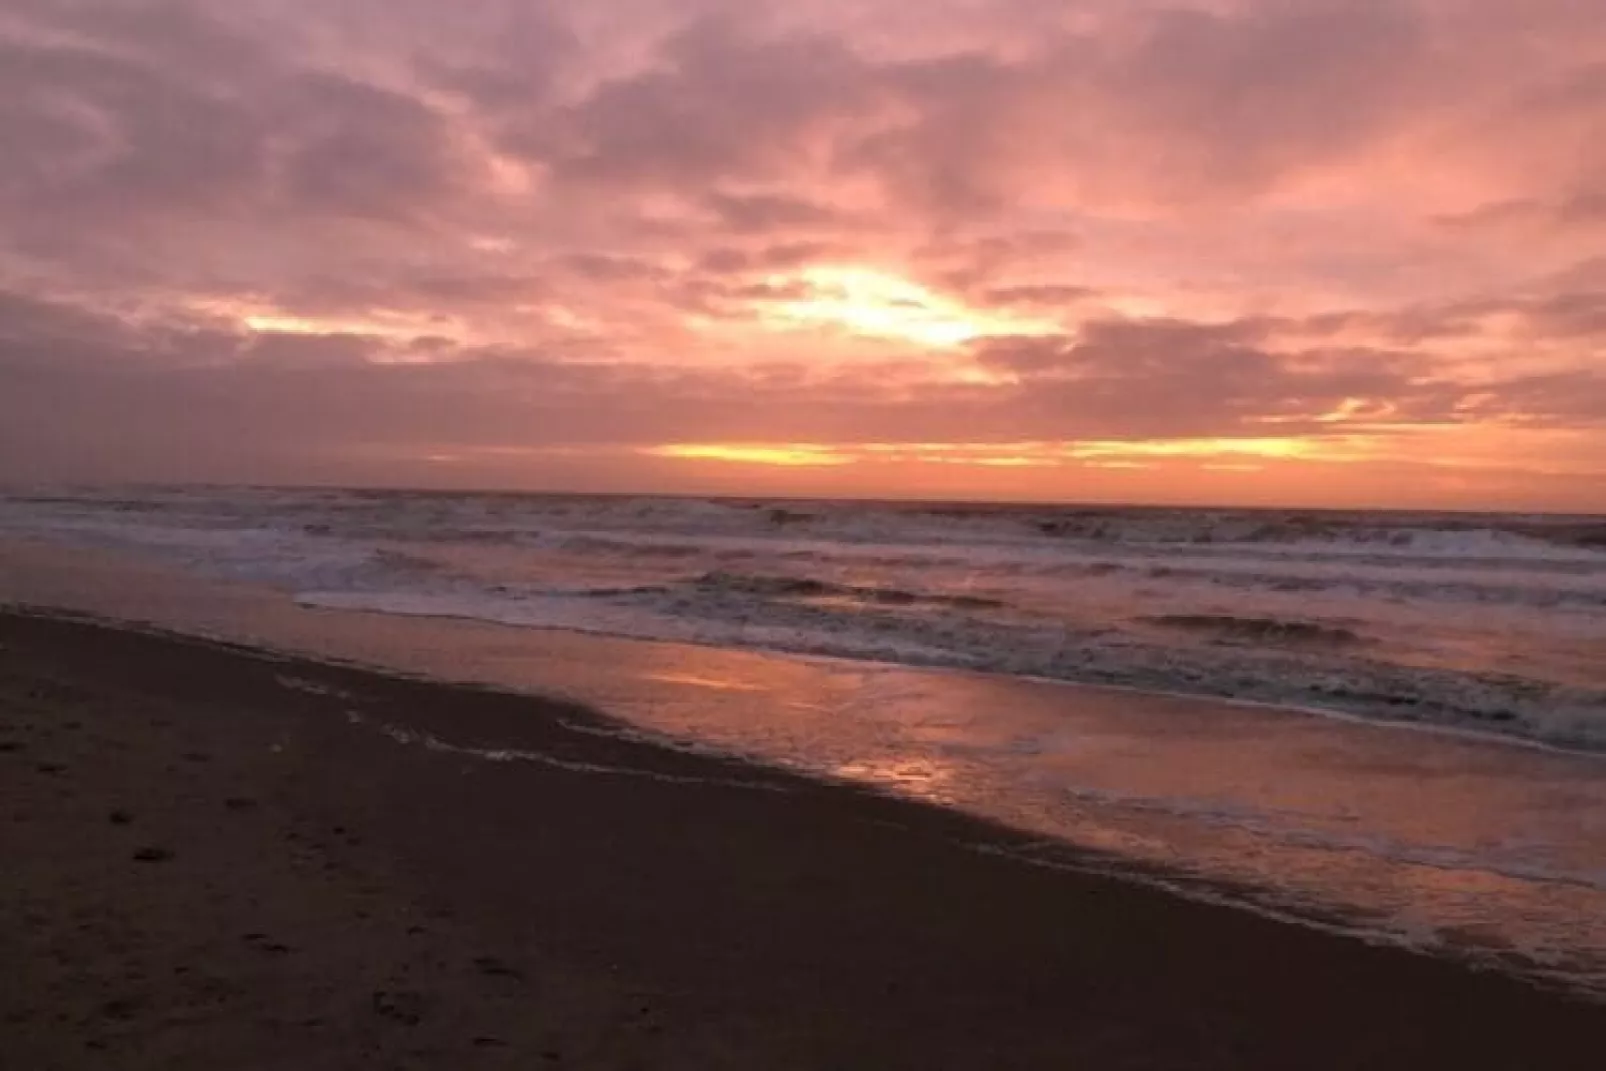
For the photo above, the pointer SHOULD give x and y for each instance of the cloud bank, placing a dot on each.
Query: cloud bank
(1333, 251)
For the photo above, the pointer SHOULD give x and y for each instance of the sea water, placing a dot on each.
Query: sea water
(1488, 622)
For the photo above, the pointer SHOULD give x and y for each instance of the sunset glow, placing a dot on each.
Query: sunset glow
(1233, 452)
(796, 454)
(1108, 249)
(878, 304)
(396, 327)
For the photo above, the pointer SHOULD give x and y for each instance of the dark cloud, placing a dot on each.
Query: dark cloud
(974, 265)
(719, 105)
(1563, 317)
(95, 131)
(1563, 400)
(288, 352)
(1581, 209)
(730, 260)
(1176, 378)
(32, 326)
(1570, 316)
(360, 150)
(610, 268)
(767, 213)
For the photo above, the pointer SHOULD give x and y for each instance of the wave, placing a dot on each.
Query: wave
(809, 588)
(1489, 620)
(513, 517)
(1314, 675)
(1259, 629)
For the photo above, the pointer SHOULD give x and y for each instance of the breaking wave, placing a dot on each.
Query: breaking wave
(1259, 629)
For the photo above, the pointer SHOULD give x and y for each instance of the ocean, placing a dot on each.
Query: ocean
(1490, 622)
(1389, 724)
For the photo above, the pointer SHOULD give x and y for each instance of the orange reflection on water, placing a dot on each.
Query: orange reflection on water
(719, 684)
(918, 777)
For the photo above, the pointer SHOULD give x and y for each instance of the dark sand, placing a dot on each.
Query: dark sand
(205, 868)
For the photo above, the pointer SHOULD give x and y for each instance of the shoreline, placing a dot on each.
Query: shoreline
(1346, 827)
(1017, 844)
(23, 551)
(810, 925)
(56, 561)
(1459, 732)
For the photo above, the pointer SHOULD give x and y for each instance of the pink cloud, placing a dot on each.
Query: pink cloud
(384, 228)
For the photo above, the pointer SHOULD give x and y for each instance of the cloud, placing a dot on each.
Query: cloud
(764, 213)
(106, 392)
(1057, 295)
(1179, 378)
(368, 151)
(94, 129)
(1176, 378)
(279, 233)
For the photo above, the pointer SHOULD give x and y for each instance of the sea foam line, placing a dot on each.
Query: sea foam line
(431, 742)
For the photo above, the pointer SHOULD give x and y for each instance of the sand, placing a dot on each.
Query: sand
(218, 859)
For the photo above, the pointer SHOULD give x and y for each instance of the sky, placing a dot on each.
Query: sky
(1262, 252)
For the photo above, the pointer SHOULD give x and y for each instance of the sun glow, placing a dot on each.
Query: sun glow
(1270, 448)
(1217, 454)
(789, 455)
(386, 324)
(866, 301)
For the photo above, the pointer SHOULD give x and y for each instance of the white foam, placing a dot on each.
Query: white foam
(430, 742)
(298, 684)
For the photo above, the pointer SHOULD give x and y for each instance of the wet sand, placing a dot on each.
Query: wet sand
(216, 859)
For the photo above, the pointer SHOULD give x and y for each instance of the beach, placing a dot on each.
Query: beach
(663, 536)
(219, 858)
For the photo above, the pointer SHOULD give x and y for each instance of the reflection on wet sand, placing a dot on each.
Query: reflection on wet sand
(1422, 837)
(922, 779)
(716, 683)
